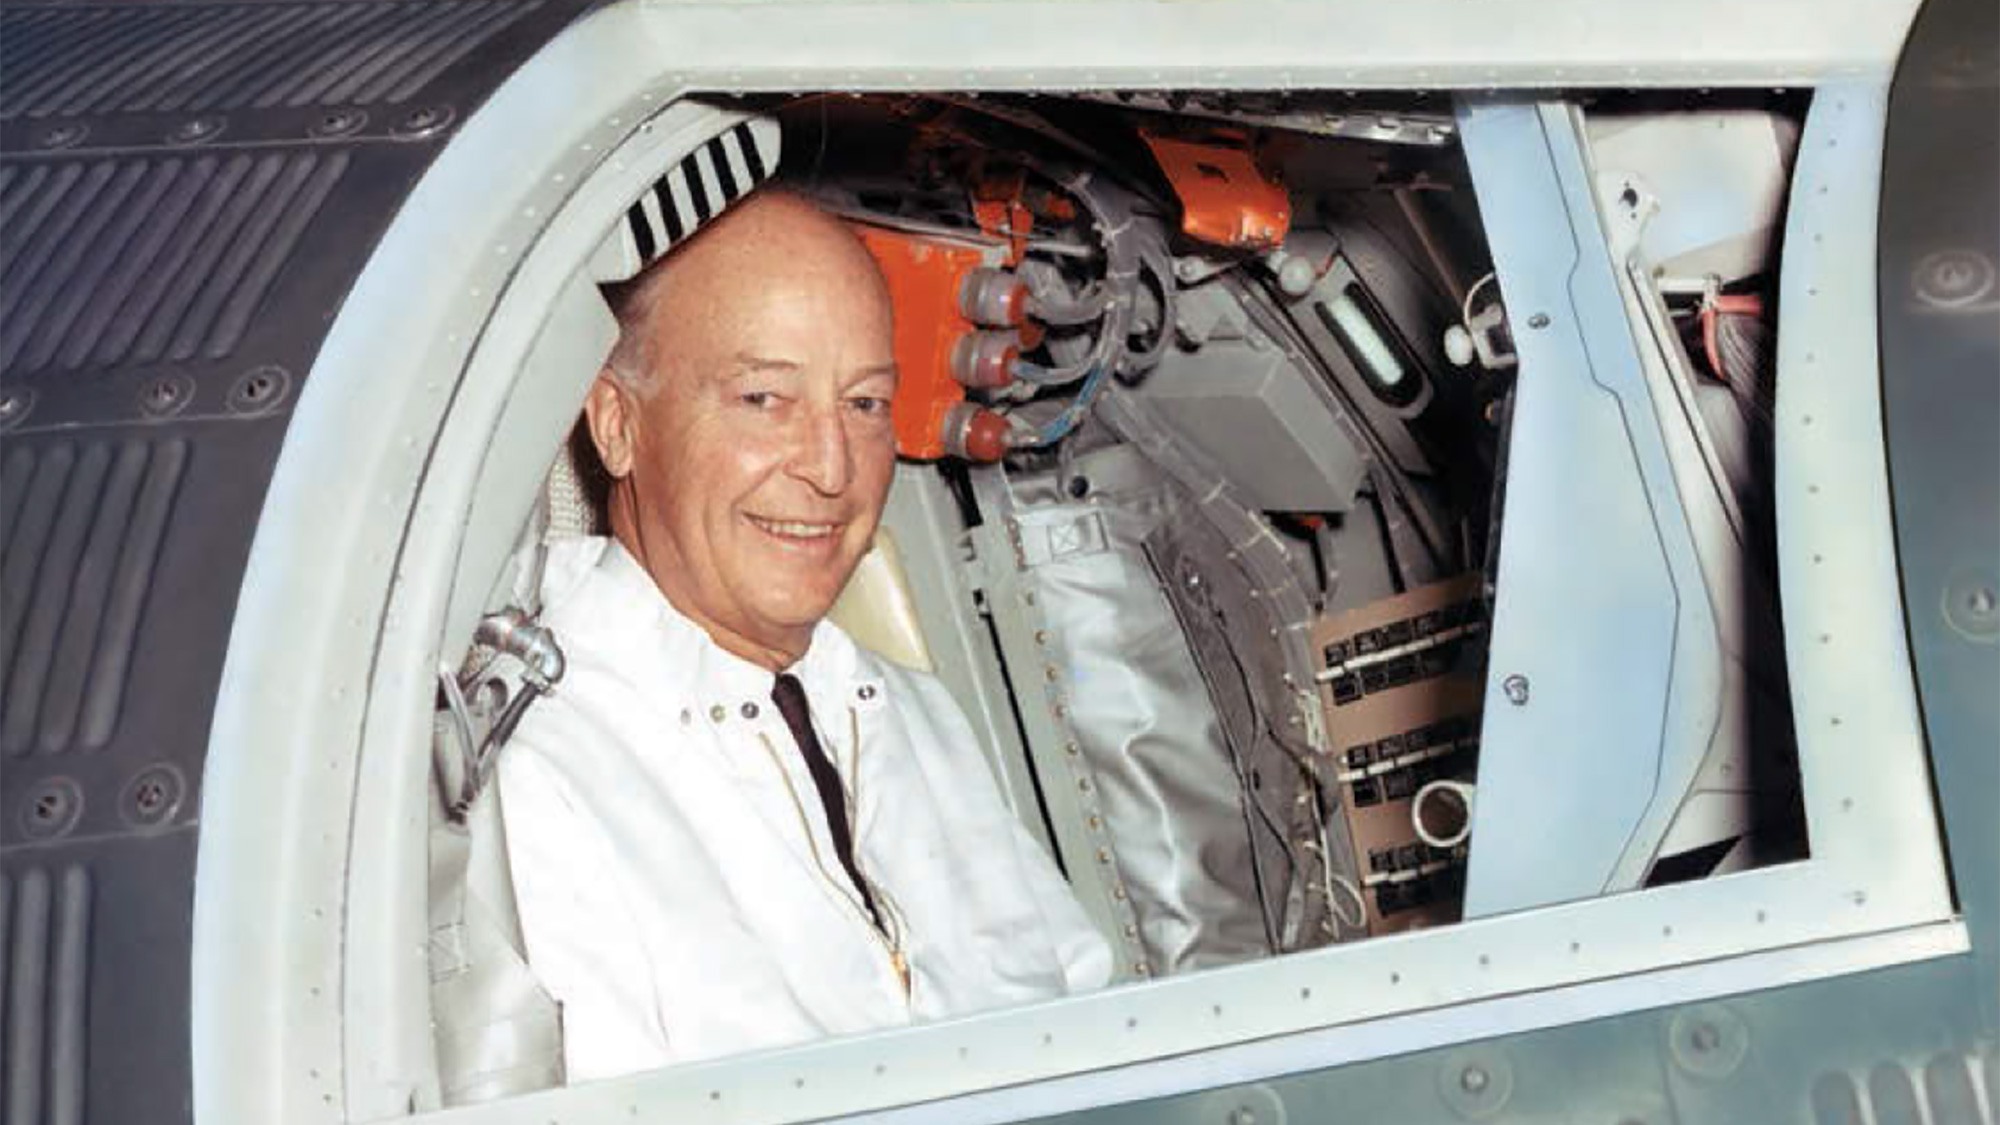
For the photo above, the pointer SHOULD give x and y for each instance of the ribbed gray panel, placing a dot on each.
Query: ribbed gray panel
(140, 260)
(72, 60)
(45, 921)
(80, 534)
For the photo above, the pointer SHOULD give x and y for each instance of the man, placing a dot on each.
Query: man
(730, 827)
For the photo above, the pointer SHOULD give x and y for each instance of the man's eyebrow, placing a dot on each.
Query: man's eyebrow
(747, 364)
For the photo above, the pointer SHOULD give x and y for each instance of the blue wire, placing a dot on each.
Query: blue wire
(1060, 426)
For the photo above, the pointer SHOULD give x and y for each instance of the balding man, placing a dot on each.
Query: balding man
(732, 828)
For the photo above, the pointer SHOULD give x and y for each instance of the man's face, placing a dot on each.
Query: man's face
(763, 457)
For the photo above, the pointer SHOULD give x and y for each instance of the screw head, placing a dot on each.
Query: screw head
(166, 396)
(15, 402)
(64, 136)
(1539, 320)
(1951, 279)
(51, 809)
(260, 389)
(1516, 689)
(1473, 1079)
(339, 123)
(425, 122)
(1972, 605)
(196, 129)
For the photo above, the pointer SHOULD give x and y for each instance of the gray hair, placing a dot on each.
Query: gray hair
(633, 303)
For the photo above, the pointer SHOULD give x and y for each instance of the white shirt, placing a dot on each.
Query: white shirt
(658, 819)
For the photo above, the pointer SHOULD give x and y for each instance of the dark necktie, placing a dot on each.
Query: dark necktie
(790, 696)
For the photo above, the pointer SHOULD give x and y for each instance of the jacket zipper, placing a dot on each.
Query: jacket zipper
(898, 962)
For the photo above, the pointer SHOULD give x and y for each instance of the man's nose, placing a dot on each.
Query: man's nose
(822, 456)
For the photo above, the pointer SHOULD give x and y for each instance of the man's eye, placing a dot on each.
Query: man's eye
(869, 404)
(762, 400)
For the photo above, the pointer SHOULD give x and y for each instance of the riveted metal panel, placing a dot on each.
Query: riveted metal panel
(186, 192)
(74, 60)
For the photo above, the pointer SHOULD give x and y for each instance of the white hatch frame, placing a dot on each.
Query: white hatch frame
(458, 341)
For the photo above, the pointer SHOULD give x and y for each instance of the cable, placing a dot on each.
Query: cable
(1059, 427)
(1050, 302)
(1465, 309)
(1152, 261)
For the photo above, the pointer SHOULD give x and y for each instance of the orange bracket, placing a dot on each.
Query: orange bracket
(1226, 199)
(998, 209)
(924, 273)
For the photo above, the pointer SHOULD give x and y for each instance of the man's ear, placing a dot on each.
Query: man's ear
(609, 411)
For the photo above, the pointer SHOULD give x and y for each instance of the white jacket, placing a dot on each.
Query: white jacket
(657, 811)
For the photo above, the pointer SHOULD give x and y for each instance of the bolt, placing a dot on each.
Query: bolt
(1516, 687)
(150, 795)
(1187, 269)
(1539, 320)
(1473, 1080)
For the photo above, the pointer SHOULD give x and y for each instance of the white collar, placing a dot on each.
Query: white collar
(595, 584)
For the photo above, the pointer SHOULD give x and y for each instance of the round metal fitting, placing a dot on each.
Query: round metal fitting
(1708, 1040)
(195, 130)
(1972, 606)
(1476, 1084)
(260, 390)
(152, 797)
(16, 403)
(1953, 279)
(1539, 320)
(749, 710)
(166, 396)
(339, 122)
(50, 808)
(64, 136)
(1244, 1105)
(425, 122)
(1516, 689)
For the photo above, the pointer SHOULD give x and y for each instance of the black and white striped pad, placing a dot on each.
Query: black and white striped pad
(705, 181)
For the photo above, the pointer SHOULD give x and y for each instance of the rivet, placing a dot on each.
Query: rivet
(749, 710)
(1516, 689)
(717, 713)
(1539, 320)
(1473, 1079)
(687, 716)
(865, 692)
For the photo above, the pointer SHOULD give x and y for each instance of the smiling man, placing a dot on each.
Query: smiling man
(730, 827)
